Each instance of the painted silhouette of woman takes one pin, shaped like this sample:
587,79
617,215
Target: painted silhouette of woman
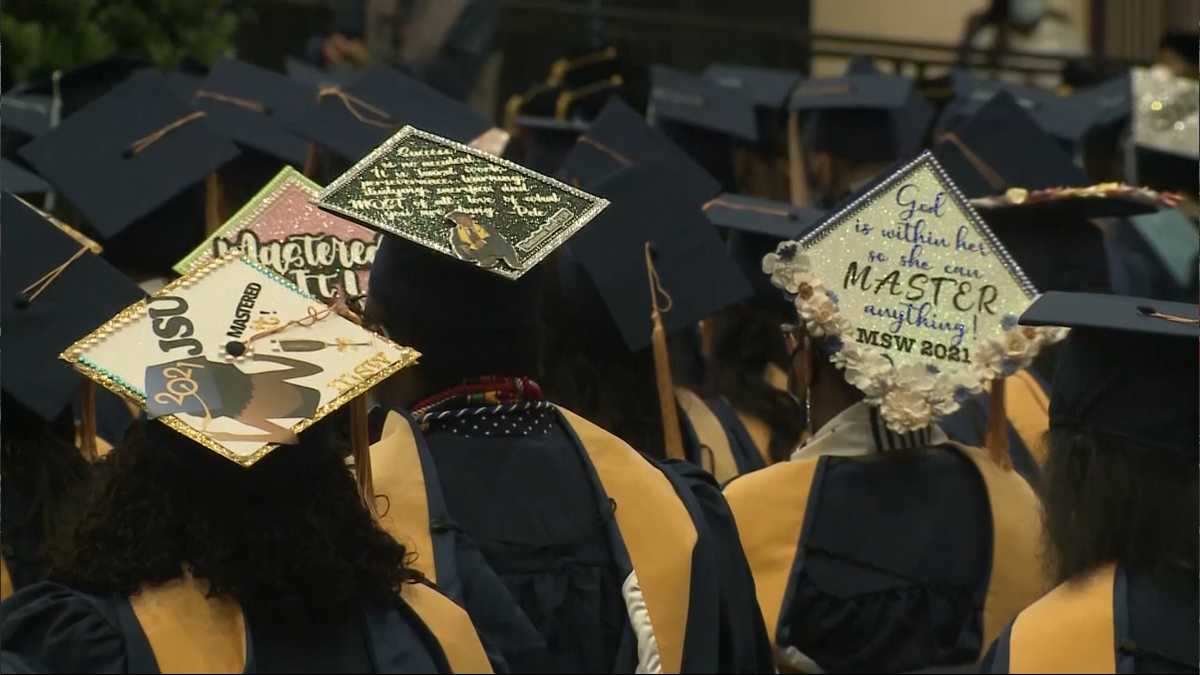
204,388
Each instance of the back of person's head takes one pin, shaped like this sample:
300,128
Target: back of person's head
592,371
1120,482
466,322
288,538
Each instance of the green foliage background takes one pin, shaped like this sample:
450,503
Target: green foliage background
39,36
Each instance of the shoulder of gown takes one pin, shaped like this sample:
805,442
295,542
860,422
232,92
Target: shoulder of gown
49,627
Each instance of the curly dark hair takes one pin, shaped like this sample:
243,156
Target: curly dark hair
1110,501
747,339
288,538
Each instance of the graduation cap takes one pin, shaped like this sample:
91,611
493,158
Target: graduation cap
1001,146
755,227
651,203
58,289
199,354
1128,369
912,296
460,202
544,142
25,116
128,154
694,101
863,117
18,180
253,106
766,87
80,86
1171,237
971,93
619,138
353,119
1166,112
311,75
183,83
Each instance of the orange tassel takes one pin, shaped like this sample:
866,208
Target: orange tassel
708,338
996,437
797,173
311,162
672,437
212,203
87,431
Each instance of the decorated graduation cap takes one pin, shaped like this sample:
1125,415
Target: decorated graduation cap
1128,370
863,116
352,119
1050,235
236,358
619,138
910,294
696,102
1166,112
18,180
755,227
128,154
254,107
460,202
58,288
1002,146
766,87
280,228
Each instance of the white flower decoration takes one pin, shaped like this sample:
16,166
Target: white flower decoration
905,410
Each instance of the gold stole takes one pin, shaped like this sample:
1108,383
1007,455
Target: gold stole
190,632
1029,412
1017,575
1071,630
451,626
6,584
657,530
769,508
710,434
400,492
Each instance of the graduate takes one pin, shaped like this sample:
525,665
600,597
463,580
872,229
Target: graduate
621,563
212,546
1119,492
882,545
59,288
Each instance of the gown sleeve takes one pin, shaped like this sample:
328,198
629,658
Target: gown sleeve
51,628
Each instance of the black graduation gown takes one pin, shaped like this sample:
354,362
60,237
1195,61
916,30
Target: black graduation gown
716,439
48,627
591,538
888,562
1114,621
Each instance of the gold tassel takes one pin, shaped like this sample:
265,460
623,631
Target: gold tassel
708,337
996,436
797,172
212,203
672,437
360,445
311,162
87,440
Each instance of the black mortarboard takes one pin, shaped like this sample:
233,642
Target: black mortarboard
183,84
971,93
766,87
1128,370
620,138
309,74
37,328
755,227
866,118
353,119
542,143
18,180
1000,147
650,203
253,106
693,101
129,153
86,83
27,115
